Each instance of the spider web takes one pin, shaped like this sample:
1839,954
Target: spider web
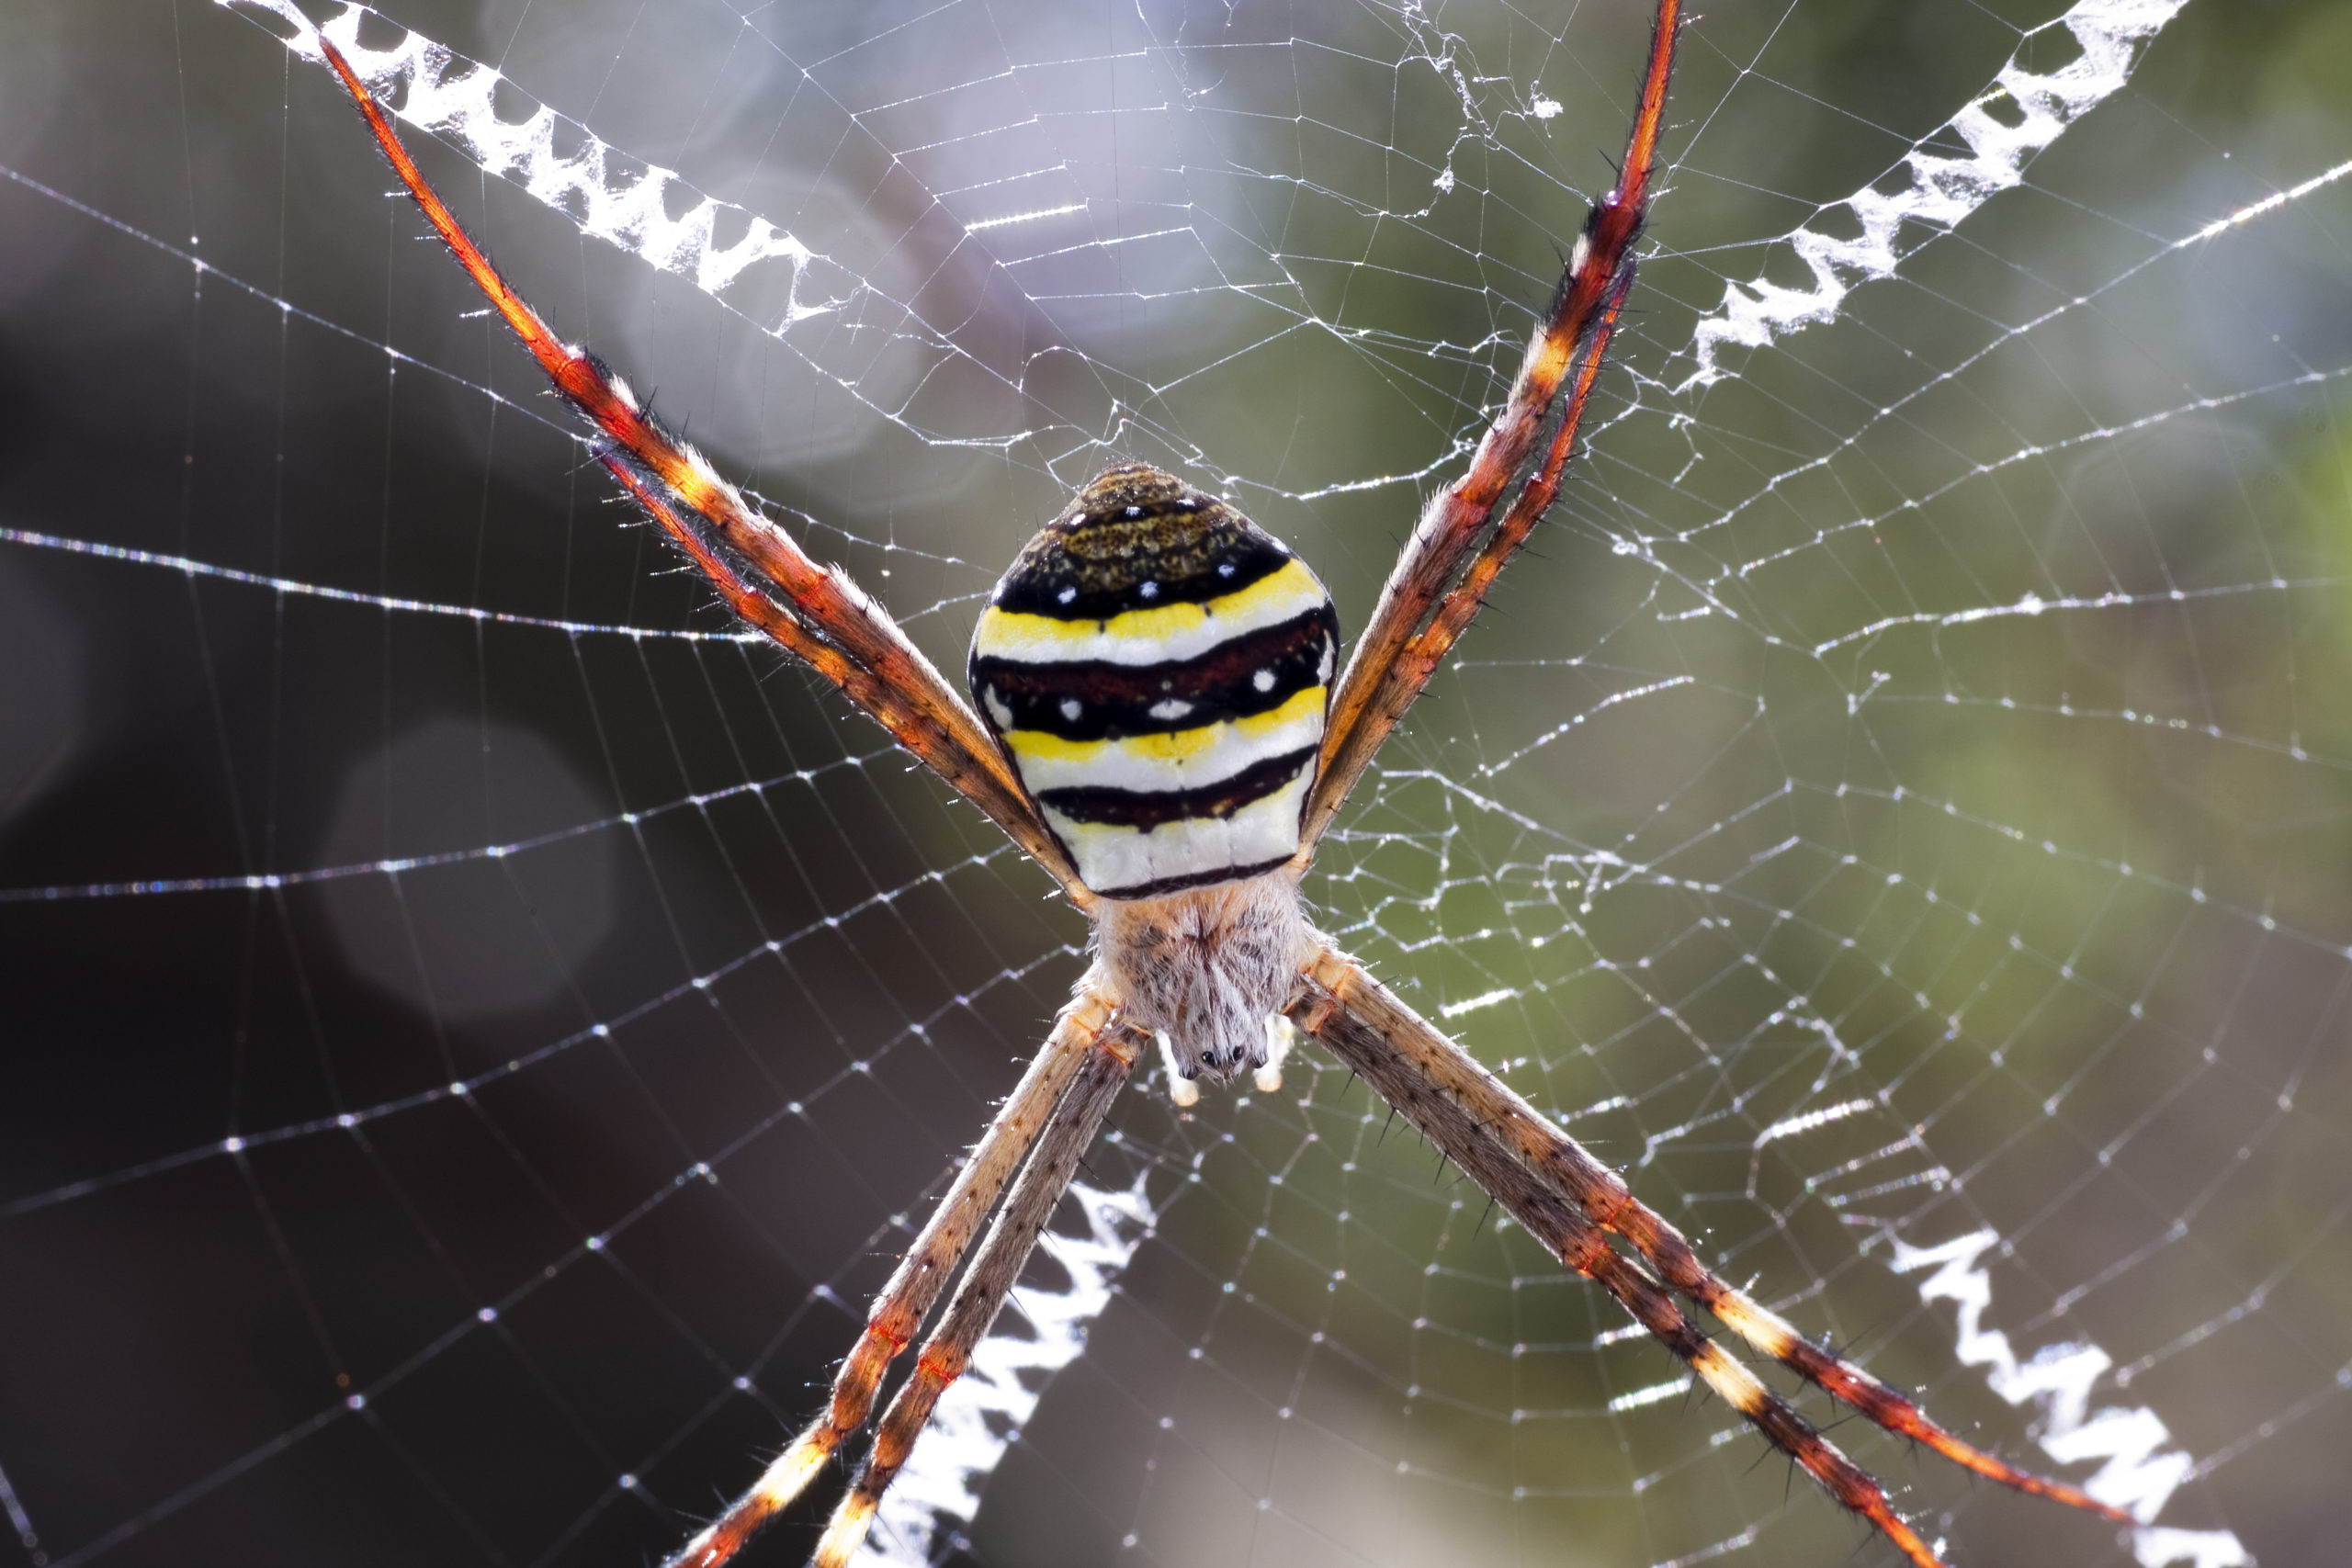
478,1028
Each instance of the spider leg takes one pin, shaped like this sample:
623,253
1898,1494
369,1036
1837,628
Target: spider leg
1604,1200
1357,1035
816,611
1420,1072
1444,574
906,1300
1012,1237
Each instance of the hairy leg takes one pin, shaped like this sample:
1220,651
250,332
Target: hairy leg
899,1310
1010,1241
814,611
1365,1026
1604,1200
1432,594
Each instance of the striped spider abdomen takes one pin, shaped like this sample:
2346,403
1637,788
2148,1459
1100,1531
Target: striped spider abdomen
1155,666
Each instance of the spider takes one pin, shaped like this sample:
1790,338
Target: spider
1158,725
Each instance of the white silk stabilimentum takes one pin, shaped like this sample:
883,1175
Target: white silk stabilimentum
980,1414
2141,1469
1933,190
611,196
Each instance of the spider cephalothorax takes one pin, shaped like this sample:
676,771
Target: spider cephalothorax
1206,970
1157,669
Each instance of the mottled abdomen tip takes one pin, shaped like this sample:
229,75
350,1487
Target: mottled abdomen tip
1156,667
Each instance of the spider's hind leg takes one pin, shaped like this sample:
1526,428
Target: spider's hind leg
1457,550
814,612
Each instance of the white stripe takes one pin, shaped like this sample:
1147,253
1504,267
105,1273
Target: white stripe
1110,859
609,195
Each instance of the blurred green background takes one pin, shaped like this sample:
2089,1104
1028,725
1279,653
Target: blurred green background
1936,722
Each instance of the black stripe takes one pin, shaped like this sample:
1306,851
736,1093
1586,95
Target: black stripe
1168,885
1224,560
1147,809
1115,699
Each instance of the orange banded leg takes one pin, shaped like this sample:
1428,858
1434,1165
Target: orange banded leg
1604,1200
842,633
899,1310
1358,1035
1011,1240
1441,579
1656,1309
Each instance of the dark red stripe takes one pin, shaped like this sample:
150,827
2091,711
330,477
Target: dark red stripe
1115,699
1147,809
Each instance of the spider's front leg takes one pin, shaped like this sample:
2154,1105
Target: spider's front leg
906,1300
1603,1200
1353,1028
1011,1240
1570,1201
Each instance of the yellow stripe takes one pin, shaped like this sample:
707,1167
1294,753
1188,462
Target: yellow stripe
1177,746
1004,634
